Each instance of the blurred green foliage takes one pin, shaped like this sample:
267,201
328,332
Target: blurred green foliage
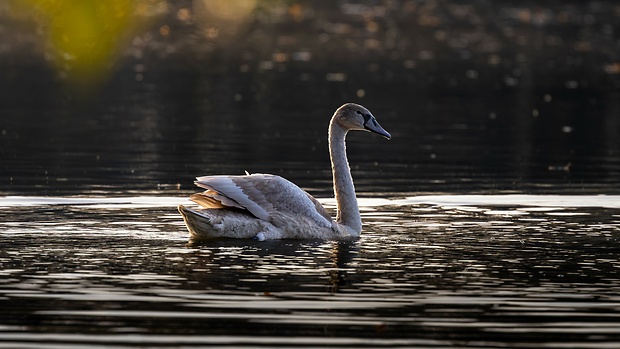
85,37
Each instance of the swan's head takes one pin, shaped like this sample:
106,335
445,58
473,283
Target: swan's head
353,116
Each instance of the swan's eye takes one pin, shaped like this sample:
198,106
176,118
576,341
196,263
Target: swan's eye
367,117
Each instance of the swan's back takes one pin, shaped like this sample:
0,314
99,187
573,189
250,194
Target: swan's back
267,197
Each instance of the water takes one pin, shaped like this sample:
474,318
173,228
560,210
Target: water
491,219
429,271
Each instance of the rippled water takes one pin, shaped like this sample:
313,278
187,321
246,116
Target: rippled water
517,103
429,271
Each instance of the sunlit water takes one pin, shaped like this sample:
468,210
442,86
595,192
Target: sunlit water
428,271
480,97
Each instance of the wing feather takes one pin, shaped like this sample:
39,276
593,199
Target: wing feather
207,201
263,196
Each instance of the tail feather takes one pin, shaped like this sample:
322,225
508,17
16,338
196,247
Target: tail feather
200,226
214,223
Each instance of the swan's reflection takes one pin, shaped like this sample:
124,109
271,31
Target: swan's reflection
271,266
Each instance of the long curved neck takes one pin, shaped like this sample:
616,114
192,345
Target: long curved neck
344,191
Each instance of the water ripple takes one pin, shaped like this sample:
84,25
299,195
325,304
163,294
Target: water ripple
487,271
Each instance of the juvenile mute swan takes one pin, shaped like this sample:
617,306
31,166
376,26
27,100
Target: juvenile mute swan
267,207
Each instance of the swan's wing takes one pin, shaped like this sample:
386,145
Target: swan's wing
319,208
262,195
206,201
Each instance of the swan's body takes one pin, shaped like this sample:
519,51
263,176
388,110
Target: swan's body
270,207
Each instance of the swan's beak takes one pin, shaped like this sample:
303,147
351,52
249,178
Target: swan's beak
373,126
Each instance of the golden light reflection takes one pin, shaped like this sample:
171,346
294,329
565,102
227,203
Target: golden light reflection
221,17
227,9
85,37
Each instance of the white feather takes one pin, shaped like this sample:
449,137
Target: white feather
231,194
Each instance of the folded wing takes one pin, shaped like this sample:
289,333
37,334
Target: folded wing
262,195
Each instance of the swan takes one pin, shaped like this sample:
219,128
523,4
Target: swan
269,207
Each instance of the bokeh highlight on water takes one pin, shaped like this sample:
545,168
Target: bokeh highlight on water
491,217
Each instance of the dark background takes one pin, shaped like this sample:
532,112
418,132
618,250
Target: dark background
480,96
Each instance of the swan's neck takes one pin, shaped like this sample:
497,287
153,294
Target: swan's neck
348,211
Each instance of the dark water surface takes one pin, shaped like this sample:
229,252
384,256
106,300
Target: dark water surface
479,98
429,271
491,219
